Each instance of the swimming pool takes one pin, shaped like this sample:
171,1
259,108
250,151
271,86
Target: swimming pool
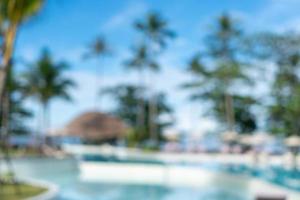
66,175
228,183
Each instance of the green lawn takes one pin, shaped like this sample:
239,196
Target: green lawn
22,191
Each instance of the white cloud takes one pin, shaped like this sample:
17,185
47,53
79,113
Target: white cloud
125,16
290,25
277,15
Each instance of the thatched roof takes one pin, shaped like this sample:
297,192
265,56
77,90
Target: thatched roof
96,126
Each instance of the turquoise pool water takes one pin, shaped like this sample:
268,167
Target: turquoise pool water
65,174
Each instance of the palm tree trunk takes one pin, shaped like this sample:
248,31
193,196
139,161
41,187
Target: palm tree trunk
5,115
48,125
153,118
96,95
5,135
152,114
229,112
152,110
141,112
45,118
98,85
4,124
8,47
44,124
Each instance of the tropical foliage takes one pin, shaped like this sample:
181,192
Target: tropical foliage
155,33
283,50
46,81
12,14
13,112
219,70
127,105
98,49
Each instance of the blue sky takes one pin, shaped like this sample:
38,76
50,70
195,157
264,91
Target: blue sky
67,26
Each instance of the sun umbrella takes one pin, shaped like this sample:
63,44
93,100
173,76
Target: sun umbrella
261,139
245,139
293,141
230,136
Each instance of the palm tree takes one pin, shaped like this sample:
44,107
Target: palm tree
139,61
12,14
98,49
13,112
221,48
45,81
127,98
282,49
155,30
12,115
218,79
155,33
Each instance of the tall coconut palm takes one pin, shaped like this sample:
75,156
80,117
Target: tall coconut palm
221,46
140,61
13,13
13,112
155,30
98,49
46,82
282,49
155,33
219,68
127,98
12,115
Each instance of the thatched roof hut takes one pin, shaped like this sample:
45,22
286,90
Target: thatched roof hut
96,127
